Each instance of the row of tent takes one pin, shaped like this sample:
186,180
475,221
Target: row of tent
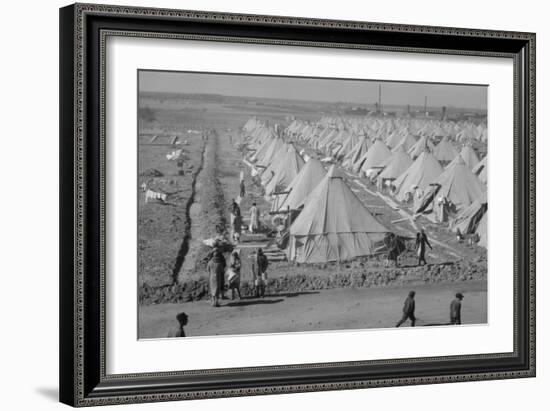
328,228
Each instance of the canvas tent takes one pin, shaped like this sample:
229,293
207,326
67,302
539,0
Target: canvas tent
287,168
356,153
406,142
444,151
334,225
468,220
469,156
304,183
396,164
270,152
459,185
375,156
420,146
480,170
425,170
482,230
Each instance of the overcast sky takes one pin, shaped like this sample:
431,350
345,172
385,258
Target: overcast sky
326,90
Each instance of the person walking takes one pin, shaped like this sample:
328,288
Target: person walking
236,229
408,310
235,220
254,219
421,243
234,211
234,277
456,308
261,273
216,268
242,191
178,331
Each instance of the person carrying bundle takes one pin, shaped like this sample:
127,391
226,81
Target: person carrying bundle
216,268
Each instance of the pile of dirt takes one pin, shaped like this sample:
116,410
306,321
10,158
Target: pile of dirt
356,277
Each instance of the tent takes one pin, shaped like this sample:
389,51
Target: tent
425,170
375,156
304,183
351,141
482,230
334,225
468,220
406,142
356,153
444,151
265,159
287,168
394,139
268,172
480,170
420,146
396,164
459,185
469,156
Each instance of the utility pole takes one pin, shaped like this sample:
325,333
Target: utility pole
426,105
380,98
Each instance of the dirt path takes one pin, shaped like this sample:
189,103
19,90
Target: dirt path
337,309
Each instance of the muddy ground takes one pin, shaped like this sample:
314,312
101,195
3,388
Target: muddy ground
338,309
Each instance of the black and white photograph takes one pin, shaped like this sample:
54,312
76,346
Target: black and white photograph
273,204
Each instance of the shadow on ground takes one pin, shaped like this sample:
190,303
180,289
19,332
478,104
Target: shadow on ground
243,303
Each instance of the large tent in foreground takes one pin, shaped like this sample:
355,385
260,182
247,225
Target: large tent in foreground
334,225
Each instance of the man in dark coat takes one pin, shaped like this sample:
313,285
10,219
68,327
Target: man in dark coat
421,243
456,308
408,310
242,189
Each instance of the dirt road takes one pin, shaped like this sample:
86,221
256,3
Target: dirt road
336,309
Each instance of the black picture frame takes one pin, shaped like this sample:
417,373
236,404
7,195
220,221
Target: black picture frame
83,29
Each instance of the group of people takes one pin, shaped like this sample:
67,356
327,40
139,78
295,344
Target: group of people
236,220
395,247
410,305
218,267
